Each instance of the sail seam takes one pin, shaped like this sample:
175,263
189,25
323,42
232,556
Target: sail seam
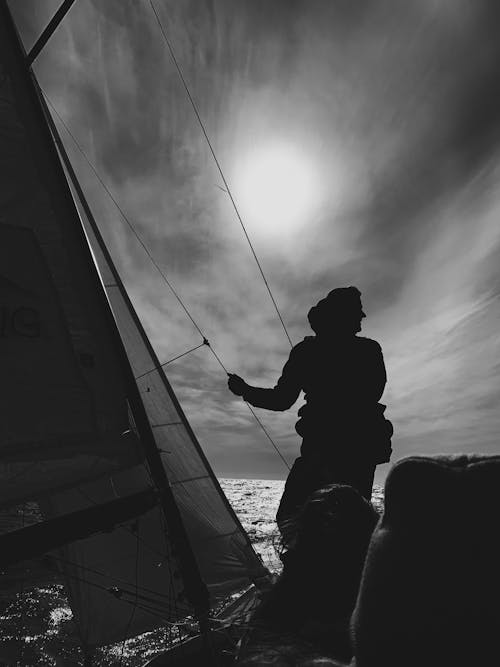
177,423
214,537
189,479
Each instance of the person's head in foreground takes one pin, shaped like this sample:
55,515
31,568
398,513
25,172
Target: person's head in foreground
314,597
430,589
335,521
338,314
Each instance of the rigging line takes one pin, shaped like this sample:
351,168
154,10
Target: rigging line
149,610
165,536
111,578
107,590
268,436
258,421
164,556
123,527
152,610
134,608
228,190
219,360
23,589
173,587
256,417
49,30
153,604
122,213
205,342
173,599
161,612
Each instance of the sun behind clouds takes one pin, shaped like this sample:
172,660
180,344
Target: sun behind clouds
276,189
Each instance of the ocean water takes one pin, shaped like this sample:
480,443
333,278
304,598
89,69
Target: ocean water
256,501
32,622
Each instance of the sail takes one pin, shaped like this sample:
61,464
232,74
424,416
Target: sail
223,552
65,416
70,439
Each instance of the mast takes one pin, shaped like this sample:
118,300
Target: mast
47,161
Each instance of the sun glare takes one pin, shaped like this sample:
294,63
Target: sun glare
276,191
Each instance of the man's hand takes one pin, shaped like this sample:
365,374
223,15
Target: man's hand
236,384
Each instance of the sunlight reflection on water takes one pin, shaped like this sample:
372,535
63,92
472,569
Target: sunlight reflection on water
255,501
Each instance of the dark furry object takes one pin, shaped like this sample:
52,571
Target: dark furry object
431,587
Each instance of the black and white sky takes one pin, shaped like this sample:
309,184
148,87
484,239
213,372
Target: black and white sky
361,141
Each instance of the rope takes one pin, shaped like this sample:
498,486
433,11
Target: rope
49,30
124,527
268,436
226,185
154,607
134,608
179,356
125,218
173,587
117,580
162,274
151,604
111,592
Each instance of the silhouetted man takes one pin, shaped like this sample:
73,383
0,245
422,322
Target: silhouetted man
345,434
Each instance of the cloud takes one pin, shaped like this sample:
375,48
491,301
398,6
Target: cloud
398,106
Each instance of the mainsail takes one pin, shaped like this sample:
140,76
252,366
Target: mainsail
79,432
64,398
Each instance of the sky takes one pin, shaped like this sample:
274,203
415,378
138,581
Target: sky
361,143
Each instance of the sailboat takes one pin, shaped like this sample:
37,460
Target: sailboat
133,518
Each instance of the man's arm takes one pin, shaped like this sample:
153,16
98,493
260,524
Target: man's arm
281,397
